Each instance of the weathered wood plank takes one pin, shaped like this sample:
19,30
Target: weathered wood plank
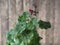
42,16
0,30
12,13
57,23
4,20
50,16
19,7
26,5
0,24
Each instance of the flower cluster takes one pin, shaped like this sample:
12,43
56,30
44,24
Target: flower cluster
32,11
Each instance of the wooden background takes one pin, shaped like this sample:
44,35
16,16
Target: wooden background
49,10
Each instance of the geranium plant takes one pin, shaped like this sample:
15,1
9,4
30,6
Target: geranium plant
25,32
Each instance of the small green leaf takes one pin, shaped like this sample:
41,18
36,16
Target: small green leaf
21,26
44,25
35,22
30,26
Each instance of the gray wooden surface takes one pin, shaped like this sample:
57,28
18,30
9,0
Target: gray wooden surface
49,10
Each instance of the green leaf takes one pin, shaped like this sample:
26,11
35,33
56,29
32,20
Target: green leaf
35,22
24,16
30,26
22,43
44,25
21,26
